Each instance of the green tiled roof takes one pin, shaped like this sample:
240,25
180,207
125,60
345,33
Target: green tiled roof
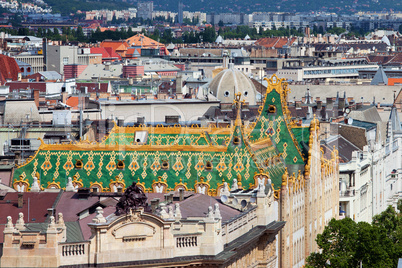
179,154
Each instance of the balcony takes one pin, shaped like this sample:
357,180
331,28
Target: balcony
350,191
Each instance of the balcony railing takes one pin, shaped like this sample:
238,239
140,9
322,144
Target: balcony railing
349,192
73,253
186,241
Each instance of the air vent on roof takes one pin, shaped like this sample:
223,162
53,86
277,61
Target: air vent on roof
3,194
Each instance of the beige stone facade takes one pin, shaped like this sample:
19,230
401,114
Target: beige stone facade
308,203
145,239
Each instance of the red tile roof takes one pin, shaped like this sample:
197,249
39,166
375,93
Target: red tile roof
112,53
41,86
140,40
8,69
107,53
275,42
116,45
37,203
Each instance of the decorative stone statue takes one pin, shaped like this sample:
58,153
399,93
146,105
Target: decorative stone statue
52,222
210,213
217,212
261,189
177,211
225,189
99,218
261,181
234,185
35,185
162,213
171,213
9,222
20,224
60,219
70,186
132,198
269,184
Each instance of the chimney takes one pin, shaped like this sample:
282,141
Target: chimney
50,212
319,105
44,52
36,97
154,204
181,194
170,198
64,96
330,104
341,104
179,84
20,200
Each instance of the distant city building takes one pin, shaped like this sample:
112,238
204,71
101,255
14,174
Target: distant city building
145,9
180,14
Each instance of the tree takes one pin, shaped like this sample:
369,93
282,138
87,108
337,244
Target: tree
130,32
40,32
80,34
209,35
345,243
400,28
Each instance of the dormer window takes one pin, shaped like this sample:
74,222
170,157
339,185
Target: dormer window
272,109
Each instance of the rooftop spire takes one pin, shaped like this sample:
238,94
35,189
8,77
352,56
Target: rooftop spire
238,103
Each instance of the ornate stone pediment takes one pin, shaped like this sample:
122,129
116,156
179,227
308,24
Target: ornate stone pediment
134,231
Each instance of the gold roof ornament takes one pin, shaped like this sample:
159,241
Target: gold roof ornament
285,177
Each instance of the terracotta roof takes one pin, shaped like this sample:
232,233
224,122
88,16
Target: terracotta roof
72,101
107,52
112,53
100,50
116,45
140,40
8,69
275,42
396,59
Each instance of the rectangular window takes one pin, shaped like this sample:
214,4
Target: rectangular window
65,60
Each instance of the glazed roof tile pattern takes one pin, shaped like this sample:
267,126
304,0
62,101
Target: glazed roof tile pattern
178,156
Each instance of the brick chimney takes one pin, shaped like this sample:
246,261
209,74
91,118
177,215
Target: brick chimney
20,200
181,194
154,204
36,97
